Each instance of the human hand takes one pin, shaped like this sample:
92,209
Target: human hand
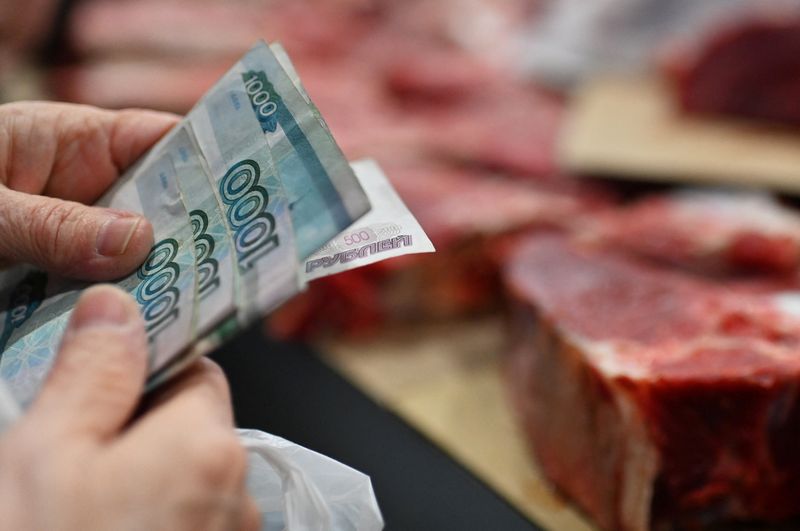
53,158
78,460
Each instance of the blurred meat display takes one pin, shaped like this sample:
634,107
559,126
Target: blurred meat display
714,232
654,398
749,69
654,336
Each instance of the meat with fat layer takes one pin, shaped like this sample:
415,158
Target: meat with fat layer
711,232
653,398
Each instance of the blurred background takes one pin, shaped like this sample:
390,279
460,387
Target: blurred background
665,130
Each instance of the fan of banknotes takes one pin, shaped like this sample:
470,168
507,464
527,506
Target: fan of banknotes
250,198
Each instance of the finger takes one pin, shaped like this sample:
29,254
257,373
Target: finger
198,403
72,151
99,373
250,517
71,239
192,444
203,378
237,511
199,468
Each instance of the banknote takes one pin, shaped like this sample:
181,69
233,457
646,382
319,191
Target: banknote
288,66
387,231
255,205
35,301
166,282
323,192
214,262
164,286
223,147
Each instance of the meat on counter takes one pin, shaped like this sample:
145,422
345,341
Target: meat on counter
654,398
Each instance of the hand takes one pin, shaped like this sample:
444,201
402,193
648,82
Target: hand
78,461
71,153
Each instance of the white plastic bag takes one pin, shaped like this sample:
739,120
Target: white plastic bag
300,490
296,489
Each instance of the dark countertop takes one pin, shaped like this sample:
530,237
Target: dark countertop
286,390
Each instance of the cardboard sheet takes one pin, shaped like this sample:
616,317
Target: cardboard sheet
445,380
629,128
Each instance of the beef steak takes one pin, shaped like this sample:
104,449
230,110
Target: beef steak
653,398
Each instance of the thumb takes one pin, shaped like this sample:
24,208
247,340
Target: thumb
98,376
71,239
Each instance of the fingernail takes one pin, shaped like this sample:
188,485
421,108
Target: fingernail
116,234
103,306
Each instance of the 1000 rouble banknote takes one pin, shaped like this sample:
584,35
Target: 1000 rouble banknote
164,286
250,198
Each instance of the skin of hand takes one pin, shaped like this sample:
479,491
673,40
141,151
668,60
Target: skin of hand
79,461
54,159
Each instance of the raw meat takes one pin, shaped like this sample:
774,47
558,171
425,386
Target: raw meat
507,128
163,28
750,70
386,83
712,232
655,399
157,28
163,85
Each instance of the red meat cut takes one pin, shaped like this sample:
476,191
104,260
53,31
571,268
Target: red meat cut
711,232
653,398
749,70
